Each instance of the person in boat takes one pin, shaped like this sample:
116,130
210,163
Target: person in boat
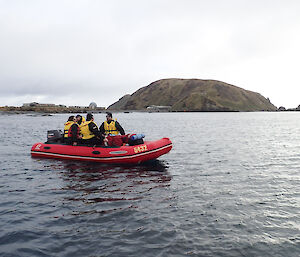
74,136
90,132
80,121
71,131
68,125
111,126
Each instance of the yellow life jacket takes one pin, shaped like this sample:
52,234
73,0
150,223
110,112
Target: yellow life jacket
110,128
81,124
85,131
68,125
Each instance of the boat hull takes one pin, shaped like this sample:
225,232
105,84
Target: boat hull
120,155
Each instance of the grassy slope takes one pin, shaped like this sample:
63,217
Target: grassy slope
197,95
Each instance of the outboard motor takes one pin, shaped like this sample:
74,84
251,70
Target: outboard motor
54,136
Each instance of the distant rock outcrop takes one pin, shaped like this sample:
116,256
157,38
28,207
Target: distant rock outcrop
194,95
281,109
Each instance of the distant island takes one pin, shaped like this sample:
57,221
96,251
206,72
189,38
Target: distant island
193,95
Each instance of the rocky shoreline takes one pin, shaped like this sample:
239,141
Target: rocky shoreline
45,110
48,112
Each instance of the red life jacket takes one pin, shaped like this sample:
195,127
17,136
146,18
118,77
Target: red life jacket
70,135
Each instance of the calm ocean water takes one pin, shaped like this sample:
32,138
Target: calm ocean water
229,187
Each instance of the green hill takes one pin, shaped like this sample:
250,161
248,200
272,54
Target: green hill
194,95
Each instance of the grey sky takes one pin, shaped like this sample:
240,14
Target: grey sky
77,51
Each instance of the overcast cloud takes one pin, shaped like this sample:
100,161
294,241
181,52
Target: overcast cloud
76,51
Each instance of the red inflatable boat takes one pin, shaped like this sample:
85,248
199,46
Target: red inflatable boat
136,154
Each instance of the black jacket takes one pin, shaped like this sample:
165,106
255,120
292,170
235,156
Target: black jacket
94,129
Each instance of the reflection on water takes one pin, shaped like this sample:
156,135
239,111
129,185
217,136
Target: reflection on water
92,183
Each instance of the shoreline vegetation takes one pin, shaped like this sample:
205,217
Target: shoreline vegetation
169,95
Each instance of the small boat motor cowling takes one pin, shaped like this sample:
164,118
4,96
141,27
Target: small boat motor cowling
54,136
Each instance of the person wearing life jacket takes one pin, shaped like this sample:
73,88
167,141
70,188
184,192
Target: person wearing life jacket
90,132
74,136
80,121
111,127
71,131
68,125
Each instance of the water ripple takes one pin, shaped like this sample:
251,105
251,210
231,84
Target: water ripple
229,187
